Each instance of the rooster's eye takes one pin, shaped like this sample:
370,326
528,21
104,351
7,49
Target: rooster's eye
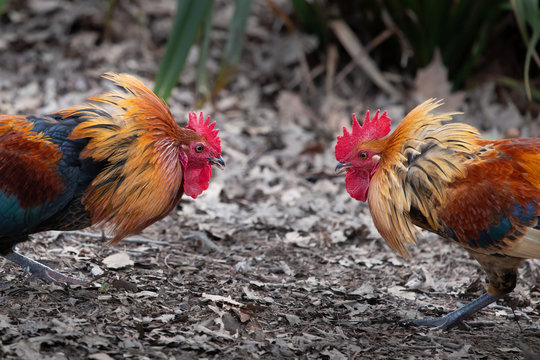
363,156
199,148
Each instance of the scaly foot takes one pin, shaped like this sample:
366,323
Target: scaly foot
40,271
455,317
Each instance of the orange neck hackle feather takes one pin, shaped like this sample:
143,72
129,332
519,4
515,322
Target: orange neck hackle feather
398,185
140,141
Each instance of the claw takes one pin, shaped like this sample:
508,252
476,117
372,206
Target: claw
455,318
26,270
40,271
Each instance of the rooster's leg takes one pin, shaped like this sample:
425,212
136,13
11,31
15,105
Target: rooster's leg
41,271
456,317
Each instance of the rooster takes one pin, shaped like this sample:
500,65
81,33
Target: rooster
121,161
483,195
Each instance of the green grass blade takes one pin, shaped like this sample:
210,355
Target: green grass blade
235,42
182,11
237,29
3,4
189,17
461,53
404,15
519,11
202,74
528,57
527,12
519,86
312,18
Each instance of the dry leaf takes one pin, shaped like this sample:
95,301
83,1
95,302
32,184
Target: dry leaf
432,82
222,299
401,292
118,261
100,356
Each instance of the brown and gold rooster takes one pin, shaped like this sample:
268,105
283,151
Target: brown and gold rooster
482,195
121,161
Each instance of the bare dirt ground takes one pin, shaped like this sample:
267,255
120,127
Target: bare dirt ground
275,260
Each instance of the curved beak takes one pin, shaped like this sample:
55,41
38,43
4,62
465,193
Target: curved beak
219,162
342,168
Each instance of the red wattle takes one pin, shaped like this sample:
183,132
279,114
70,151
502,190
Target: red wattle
357,183
196,180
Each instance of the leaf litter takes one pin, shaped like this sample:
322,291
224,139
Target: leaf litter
275,259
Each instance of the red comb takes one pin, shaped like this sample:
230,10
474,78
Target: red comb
375,128
206,129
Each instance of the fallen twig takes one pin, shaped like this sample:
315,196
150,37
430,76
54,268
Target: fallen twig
132,239
355,49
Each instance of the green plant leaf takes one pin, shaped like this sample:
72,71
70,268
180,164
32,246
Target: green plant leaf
202,74
187,22
237,29
234,45
527,13
460,29
311,16
461,53
530,49
519,86
3,4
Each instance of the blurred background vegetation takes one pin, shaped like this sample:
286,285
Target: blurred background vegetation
477,40
402,35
